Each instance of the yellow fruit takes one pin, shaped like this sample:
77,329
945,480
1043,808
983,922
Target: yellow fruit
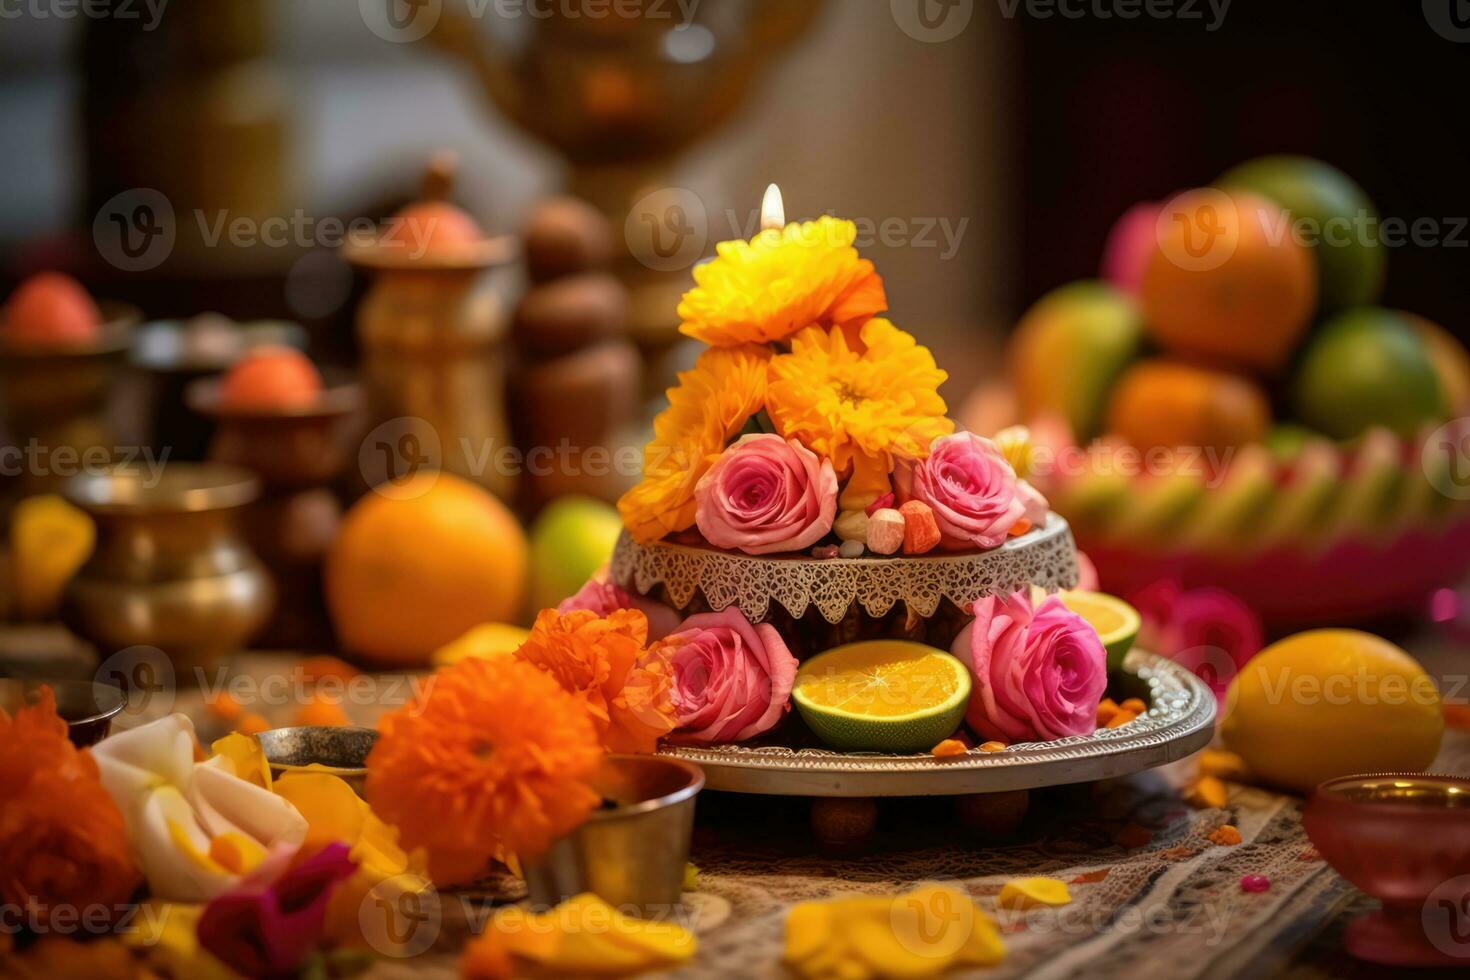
485,642
418,564
50,540
1330,703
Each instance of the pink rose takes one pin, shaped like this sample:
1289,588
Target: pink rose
1209,630
1039,674
603,598
731,680
765,494
972,490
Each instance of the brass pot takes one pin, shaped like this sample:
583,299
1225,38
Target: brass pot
171,569
296,453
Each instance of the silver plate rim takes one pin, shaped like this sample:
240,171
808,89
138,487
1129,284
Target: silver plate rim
1180,722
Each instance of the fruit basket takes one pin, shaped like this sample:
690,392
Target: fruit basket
1229,408
1327,535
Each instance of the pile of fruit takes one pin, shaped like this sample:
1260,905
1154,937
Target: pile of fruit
1230,390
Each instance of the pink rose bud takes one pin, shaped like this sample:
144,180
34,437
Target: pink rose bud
731,680
1039,675
766,494
603,598
972,490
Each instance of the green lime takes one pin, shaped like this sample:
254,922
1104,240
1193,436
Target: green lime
1364,368
882,696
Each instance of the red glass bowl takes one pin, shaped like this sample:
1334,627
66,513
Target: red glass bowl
1405,840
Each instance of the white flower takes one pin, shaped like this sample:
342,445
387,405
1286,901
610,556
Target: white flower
196,828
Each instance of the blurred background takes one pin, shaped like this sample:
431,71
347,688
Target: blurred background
1036,132
215,174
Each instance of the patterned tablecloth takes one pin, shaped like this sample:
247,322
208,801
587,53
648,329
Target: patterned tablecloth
1170,907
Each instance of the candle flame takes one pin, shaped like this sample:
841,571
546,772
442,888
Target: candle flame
773,210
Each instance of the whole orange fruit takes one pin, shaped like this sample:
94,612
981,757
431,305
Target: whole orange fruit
1228,281
271,378
1164,404
418,563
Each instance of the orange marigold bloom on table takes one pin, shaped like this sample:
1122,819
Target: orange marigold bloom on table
767,289
711,403
63,841
864,406
493,759
602,662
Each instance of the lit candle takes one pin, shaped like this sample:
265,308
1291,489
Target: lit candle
773,210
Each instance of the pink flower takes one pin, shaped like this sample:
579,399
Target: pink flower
271,921
1209,630
766,494
972,490
603,598
731,680
1039,674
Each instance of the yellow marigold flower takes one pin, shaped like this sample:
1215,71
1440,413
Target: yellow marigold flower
780,282
709,406
862,406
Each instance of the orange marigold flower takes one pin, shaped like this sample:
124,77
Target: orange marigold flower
765,290
709,406
863,405
62,839
492,759
603,662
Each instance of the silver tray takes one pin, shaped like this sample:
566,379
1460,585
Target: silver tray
1180,722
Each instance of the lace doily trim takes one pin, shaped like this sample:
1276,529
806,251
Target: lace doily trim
1045,556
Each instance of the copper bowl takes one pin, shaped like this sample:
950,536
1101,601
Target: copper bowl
1403,838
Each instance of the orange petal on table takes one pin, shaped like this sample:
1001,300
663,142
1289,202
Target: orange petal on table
1207,792
1091,877
1106,709
223,705
1120,719
252,724
1225,835
949,748
327,666
321,713
1134,705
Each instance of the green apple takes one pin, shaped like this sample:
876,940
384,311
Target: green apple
571,539
1330,212
1069,349
1364,368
